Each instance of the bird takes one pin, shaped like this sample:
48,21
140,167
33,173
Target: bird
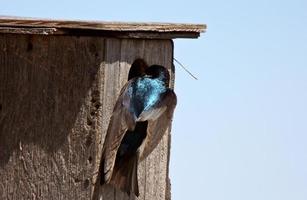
141,115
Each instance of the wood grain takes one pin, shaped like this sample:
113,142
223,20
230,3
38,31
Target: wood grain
101,28
48,119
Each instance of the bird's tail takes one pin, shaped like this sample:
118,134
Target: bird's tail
124,175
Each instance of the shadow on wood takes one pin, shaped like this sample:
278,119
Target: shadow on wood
48,99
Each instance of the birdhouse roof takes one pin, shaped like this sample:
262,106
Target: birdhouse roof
17,25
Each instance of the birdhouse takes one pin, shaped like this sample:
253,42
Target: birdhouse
59,81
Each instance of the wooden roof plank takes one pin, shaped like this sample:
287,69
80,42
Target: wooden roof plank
154,30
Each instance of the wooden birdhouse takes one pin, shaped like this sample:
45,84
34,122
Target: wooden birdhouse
59,81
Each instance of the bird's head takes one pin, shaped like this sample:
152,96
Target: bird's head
159,72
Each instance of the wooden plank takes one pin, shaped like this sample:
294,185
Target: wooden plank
120,54
112,88
48,124
118,58
34,31
101,28
101,25
99,33
156,169
130,51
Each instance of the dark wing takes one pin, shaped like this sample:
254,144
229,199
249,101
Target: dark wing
121,120
158,121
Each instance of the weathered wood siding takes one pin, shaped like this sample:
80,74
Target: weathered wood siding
56,97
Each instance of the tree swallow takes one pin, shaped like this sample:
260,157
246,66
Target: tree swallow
141,115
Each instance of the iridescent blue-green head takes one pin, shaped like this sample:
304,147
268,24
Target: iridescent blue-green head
159,72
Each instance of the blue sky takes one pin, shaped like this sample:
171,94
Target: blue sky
240,131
